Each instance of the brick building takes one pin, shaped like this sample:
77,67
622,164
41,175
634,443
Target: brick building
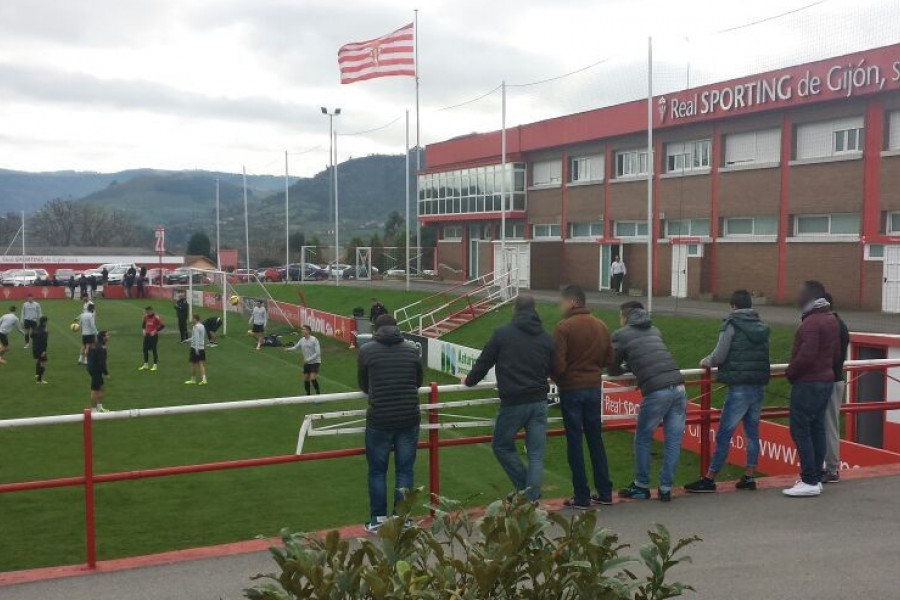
759,182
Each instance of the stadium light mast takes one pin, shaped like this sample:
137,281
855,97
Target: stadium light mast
332,161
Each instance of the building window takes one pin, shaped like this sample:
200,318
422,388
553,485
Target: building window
688,156
894,131
471,190
745,226
546,172
833,224
695,250
874,252
893,222
830,138
689,227
545,230
515,230
631,163
586,230
753,147
586,168
451,233
631,229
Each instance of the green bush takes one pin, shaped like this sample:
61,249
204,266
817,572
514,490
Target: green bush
515,550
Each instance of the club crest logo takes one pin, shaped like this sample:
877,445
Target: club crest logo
661,107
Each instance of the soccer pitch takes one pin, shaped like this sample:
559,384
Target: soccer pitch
45,527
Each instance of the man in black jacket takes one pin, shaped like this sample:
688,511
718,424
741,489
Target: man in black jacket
376,310
522,353
832,472
390,372
638,347
96,368
181,311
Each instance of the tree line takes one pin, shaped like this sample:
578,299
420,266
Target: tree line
62,222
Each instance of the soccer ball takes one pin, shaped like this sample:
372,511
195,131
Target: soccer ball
234,300
74,326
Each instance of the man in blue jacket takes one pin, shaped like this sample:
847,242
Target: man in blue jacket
522,353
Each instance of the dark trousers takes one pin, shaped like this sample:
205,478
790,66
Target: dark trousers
379,444
150,342
581,410
807,422
182,328
616,283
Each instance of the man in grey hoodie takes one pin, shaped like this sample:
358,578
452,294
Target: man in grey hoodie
742,357
638,347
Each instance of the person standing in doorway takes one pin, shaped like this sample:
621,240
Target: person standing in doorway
522,354
39,341
815,352
390,371
581,350
151,325
742,358
258,319
181,312
639,348
833,413
197,355
31,313
309,346
617,272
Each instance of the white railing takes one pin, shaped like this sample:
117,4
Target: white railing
493,293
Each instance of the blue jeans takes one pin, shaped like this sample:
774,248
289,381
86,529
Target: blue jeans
379,444
666,406
742,404
581,411
809,400
531,417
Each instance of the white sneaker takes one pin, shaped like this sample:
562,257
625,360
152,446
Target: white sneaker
373,526
803,490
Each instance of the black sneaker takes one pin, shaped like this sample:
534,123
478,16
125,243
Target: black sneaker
664,496
746,483
704,485
635,492
601,500
831,477
573,503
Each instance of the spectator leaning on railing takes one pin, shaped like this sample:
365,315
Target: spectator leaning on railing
832,472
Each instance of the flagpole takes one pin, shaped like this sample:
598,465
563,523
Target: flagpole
218,236
418,146
502,178
246,225
408,265
287,226
650,161
337,277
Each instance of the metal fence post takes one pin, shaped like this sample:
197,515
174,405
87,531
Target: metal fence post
89,524
705,405
434,467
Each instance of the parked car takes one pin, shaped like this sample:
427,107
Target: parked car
270,274
61,276
242,276
304,272
20,277
154,276
183,276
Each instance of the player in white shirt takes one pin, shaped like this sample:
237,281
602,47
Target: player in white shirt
87,322
258,319
31,314
8,322
312,359
197,356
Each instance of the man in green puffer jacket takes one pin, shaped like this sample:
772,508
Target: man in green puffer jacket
742,357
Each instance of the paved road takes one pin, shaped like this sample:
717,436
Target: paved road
870,322
756,545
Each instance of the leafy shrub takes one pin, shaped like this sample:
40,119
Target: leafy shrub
515,550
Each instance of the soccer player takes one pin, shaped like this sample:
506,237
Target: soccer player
197,356
87,321
39,339
152,325
258,320
31,312
312,359
96,368
212,325
181,311
8,322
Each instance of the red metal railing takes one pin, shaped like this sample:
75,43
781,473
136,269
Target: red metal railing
704,417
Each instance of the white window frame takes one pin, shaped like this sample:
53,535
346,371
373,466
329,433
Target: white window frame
874,258
595,230
819,234
888,226
637,227
634,164
894,131
761,140
549,231
841,141
753,227
691,224
685,157
592,164
554,172
695,250
818,141
515,230
453,237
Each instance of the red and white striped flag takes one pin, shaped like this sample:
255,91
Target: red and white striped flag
390,55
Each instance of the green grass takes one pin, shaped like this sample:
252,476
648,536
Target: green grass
137,517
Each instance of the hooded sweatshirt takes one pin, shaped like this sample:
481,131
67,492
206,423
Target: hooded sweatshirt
816,347
522,353
390,372
639,348
742,353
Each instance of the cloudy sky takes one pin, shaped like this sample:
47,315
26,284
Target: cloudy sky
104,85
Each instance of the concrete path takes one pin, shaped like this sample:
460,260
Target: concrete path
756,545
869,322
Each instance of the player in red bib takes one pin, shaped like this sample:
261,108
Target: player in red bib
151,325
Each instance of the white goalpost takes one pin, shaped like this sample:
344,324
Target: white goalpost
218,280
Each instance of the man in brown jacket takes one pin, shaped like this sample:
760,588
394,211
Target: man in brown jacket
582,348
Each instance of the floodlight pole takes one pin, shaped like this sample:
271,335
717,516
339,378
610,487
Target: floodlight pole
650,165
23,240
332,160
287,226
218,233
246,222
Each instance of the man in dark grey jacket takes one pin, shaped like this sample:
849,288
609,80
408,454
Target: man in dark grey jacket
639,348
390,372
522,353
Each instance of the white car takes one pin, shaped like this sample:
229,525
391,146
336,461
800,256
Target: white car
20,277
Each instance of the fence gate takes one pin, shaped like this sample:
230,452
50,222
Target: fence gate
308,254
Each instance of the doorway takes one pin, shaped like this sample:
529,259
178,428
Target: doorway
607,253
890,287
680,270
